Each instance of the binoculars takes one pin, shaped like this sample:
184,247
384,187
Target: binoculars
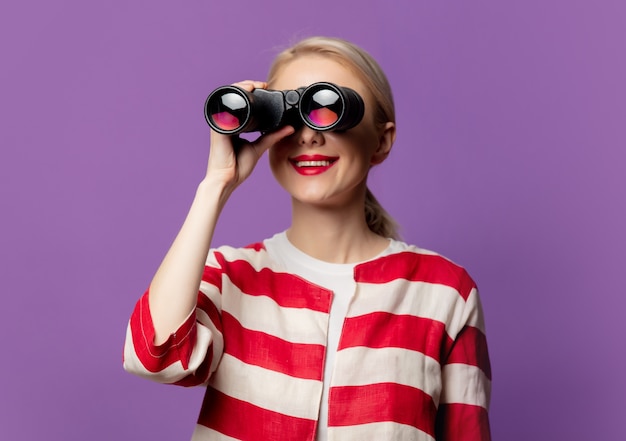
321,106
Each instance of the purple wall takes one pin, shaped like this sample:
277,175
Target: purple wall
510,160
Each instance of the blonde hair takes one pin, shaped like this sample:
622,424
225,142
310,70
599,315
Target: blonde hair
363,65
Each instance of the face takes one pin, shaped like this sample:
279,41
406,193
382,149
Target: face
327,168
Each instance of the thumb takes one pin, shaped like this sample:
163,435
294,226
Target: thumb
266,141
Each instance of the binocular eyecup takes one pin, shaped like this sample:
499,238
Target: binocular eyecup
321,106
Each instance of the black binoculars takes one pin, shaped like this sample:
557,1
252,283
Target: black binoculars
321,106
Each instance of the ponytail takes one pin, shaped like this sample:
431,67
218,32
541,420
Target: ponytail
377,218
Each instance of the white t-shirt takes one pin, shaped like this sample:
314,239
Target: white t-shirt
337,277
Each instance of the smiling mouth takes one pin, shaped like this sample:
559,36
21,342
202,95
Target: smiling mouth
312,165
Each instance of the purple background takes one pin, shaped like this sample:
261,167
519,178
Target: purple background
509,160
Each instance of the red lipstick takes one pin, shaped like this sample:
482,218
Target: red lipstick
308,165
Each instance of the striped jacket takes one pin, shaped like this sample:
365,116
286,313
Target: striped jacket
412,360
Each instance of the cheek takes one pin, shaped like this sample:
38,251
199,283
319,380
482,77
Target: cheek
365,144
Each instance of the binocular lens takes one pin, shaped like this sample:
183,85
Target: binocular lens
323,109
228,111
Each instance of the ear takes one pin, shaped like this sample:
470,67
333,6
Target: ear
385,142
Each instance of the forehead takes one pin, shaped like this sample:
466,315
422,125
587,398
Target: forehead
308,69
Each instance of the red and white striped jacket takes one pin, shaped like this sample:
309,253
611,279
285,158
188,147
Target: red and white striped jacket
412,361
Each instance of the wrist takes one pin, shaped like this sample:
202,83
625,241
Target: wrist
211,188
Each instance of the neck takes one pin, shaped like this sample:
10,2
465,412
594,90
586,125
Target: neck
337,234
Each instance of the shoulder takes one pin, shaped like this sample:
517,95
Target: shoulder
410,262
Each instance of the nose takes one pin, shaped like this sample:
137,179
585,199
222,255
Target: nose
307,136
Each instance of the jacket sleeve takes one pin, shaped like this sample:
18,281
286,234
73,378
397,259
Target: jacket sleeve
462,414
191,354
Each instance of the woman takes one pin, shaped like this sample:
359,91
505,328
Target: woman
333,329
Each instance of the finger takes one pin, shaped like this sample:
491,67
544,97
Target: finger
268,140
250,85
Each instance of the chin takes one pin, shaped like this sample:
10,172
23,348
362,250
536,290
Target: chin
322,200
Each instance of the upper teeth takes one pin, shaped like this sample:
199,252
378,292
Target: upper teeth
313,163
